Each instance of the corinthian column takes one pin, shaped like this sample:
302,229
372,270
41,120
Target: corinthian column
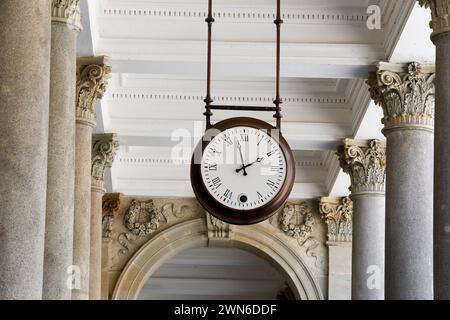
365,162
92,75
24,99
338,213
406,93
440,13
104,147
61,146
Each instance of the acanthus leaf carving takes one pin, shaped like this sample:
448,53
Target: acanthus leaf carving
68,12
104,147
92,79
338,215
440,15
406,94
110,207
365,162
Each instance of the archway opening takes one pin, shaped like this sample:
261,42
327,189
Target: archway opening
214,273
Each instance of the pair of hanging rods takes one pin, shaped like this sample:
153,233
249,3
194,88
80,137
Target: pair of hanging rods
208,100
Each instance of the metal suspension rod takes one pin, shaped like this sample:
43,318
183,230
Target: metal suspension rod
278,21
208,100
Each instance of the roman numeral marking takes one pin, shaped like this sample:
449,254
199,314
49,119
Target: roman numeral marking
229,141
228,194
213,167
260,196
270,183
216,182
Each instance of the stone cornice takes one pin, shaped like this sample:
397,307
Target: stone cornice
104,147
406,94
68,12
338,215
92,79
110,205
365,162
440,15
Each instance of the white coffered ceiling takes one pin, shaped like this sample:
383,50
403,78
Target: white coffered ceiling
158,53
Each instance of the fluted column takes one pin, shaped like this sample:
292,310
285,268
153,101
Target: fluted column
61,150
406,93
365,162
104,147
440,12
24,104
111,206
338,214
92,75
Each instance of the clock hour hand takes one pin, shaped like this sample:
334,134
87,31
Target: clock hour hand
242,161
248,165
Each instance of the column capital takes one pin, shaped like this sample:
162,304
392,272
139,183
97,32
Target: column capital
68,12
92,78
338,215
440,15
110,207
104,147
405,91
365,162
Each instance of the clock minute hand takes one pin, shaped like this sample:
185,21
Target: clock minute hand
242,161
250,164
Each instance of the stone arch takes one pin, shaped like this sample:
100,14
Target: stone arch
192,234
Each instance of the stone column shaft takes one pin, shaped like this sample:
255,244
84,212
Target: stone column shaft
61,155
92,75
365,162
440,12
406,93
24,103
104,147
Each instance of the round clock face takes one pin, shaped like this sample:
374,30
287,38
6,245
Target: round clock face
243,168
245,173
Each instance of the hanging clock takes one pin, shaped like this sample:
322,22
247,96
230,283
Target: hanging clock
243,172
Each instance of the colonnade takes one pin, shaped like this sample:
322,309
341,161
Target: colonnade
52,167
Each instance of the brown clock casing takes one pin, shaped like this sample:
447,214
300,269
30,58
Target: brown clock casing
236,216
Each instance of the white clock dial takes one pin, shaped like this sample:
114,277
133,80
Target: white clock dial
243,168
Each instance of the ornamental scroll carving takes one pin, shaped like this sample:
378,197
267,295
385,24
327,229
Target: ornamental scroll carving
296,220
406,94
338,215
104,147
440,15
365,162
68,12
110,208
92,79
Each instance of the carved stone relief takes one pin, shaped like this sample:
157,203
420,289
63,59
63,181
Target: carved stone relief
406,94
365,162
296,220
338,215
